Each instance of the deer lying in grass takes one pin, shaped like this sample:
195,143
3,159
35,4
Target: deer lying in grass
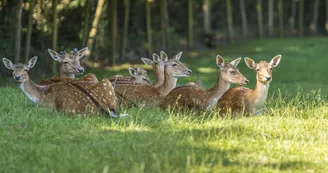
247,101
69,65
150,95
138,75
158,64
72,97
197,98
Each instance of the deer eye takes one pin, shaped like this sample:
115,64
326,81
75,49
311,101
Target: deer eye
258,69
65,62
232,72
26,70
144,79
174,65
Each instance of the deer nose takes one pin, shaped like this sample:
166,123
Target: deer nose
17,77
246,81
189,71
268,78
80,70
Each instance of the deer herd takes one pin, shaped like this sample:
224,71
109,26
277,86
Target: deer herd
89,97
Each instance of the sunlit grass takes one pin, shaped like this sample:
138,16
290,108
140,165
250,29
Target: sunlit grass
291,135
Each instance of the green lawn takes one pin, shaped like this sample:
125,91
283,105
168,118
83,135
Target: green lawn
291,137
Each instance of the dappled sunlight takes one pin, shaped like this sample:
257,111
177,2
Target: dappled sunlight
207,70
126,66
259,49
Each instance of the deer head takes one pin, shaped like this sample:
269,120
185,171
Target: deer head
175,68
70,62
139,75
229,71
263,69
20,71
158,64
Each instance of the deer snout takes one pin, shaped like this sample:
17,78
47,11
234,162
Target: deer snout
189,71
268,78
18,77
80,70
246,81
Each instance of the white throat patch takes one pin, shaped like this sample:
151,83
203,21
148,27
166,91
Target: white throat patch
32,98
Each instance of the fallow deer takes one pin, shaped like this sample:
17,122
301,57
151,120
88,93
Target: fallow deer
150,95
247,101
197,98
158,64
138,75
69,65
72,97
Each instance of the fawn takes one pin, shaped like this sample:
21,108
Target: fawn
196,97
150,95
138,75
69,65
72,97
247,101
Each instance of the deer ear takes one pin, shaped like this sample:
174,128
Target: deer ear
156,58
275,61
32,62
54,55
250,63
132,72
82,52
235,62
147,61
220,61
7,63
164,56
177,56
139,71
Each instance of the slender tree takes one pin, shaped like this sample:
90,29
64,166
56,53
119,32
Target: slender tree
270,17
314,23
300,17
149,30
229,20
114,31
292,16
164,23
259,18
243,18
281,18
86,23
207,16
54,31
93,31
190,24
18,17
125,27
29,30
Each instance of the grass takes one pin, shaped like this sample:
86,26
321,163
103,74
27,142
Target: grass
291,137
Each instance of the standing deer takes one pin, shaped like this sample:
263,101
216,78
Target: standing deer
138,75
69,65
150,95
247,101
72,97
197,98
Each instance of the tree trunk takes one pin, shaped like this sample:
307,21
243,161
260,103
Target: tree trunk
207,16
326,24
125,27
93,31
149,32
243,18
18,18
229,20
300,17
281,18
190,24
259,18
292,16
29,30
164,23
270,17
54,32
314,23
86,23
114,31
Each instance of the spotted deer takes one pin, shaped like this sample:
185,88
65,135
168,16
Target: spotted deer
247,101
72,97
69,65
136,94
197,98
138,75
158,64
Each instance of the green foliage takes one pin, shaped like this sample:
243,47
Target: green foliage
289,137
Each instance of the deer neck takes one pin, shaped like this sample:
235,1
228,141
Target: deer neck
159,77
220,87
259,94
169,83
62,74
32,91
